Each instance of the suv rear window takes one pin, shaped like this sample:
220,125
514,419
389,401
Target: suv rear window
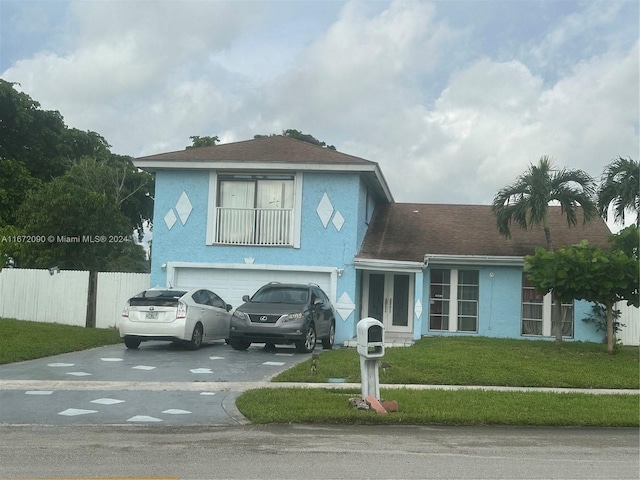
161,298
281,295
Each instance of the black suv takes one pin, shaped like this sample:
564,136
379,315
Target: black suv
284,313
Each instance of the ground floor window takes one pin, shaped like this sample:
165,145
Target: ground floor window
537,313
453,300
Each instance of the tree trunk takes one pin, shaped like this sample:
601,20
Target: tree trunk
611,336
556,320
547,235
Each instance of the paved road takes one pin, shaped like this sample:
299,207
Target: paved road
313,452
159,383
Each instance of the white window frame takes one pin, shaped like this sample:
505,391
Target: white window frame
547,304
453,303
213,199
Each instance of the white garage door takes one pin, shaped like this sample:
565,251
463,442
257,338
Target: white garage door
232,283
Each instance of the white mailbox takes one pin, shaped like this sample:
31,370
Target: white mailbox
370,336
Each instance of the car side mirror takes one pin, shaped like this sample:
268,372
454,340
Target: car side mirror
317,301
245,298
229,307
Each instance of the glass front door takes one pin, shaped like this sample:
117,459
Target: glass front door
388,299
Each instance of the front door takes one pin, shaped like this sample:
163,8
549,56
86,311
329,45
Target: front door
388,298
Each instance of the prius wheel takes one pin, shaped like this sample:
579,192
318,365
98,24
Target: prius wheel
131,343
196,338
309,343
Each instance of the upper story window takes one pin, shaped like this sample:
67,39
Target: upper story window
255,210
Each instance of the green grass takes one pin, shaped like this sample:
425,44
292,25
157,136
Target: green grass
21,340
485,361
464,407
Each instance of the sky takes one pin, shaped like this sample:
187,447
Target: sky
453,99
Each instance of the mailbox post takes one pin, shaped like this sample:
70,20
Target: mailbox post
370,336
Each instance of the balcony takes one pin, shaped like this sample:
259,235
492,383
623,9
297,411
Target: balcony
254,226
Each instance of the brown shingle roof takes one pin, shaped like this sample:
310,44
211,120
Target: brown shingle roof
275,149
409,231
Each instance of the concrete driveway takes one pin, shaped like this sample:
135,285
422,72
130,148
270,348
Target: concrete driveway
160,383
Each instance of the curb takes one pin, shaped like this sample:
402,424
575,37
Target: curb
244,386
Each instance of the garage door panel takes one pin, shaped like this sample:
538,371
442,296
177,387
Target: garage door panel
232,283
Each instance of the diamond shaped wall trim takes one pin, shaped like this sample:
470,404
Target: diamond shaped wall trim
345,306
338,221
418,309
325,210
170,219
184,207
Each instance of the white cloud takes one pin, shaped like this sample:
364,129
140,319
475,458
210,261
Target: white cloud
496,118
390,82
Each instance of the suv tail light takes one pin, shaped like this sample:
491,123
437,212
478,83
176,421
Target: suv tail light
125,310
182,310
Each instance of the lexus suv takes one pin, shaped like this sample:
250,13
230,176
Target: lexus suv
284,313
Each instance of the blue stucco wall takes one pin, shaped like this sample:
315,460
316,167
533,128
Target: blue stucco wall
319,246
500,307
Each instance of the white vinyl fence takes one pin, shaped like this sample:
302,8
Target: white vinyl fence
63,297
630,317
113,290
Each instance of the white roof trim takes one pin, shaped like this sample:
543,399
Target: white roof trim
437,259
387,265
383,183
242,166
372,167
251,266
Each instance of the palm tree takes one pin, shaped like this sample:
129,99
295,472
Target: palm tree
526,202
620,186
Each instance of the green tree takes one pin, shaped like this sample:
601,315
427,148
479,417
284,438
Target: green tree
63,182
298,135
587,272
620,188
84,230
29,134
526,202
10,247
15,182
128,188
198,142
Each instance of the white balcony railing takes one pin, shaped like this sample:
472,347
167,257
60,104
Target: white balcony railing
254,226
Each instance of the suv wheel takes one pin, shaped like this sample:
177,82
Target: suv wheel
239,344
309,343
327,342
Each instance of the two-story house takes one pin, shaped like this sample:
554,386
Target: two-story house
233,217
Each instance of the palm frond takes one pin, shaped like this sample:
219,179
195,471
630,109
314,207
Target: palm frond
620,189
526,202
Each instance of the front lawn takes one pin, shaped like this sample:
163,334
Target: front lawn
463,361
21,340
441,407
485,361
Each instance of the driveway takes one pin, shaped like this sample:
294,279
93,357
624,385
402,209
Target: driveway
160,383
